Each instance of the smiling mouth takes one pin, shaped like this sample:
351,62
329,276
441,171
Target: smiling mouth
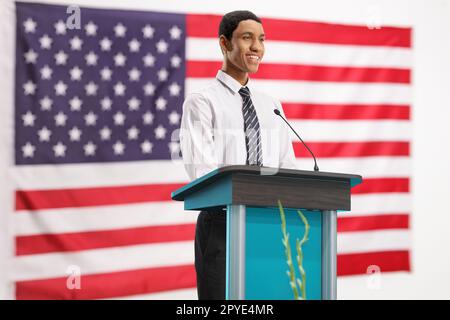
253,57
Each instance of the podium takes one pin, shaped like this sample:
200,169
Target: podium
255,261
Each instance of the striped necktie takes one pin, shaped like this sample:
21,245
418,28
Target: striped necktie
251,128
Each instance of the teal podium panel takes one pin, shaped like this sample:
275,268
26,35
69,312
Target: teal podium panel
265,258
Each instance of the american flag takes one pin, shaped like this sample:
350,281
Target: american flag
97,111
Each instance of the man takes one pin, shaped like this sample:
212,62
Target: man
230,123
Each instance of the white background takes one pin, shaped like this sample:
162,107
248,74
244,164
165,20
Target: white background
430,20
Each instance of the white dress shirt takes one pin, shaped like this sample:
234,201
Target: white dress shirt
212,128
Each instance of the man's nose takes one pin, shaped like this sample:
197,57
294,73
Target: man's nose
257,46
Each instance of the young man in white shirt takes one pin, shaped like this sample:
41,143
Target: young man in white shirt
230,123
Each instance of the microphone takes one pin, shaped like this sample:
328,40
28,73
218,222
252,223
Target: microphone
278,113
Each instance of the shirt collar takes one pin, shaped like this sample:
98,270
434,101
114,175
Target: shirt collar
232,83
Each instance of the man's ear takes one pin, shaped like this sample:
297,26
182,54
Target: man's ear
224,44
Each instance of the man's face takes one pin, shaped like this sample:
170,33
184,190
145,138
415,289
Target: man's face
247,46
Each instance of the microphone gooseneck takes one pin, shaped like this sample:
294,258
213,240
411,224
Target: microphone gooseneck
278,113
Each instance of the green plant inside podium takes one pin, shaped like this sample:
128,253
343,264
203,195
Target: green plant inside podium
297,285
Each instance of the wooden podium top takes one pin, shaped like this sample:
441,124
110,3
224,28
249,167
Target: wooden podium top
263,186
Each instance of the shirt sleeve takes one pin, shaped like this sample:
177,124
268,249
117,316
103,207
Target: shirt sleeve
197,136
287,156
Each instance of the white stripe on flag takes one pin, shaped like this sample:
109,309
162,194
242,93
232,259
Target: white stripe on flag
368,167
379,203
98,174
182,294
53,265
102,218
344,130
322,92
373,241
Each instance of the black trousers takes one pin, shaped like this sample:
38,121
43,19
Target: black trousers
210,254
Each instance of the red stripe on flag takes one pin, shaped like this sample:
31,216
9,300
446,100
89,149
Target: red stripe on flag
44,243
85,197
208,69
376,222
352,149
382,185
359,263
345,112
109,285
207,26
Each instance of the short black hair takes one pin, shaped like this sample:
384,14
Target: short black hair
231,20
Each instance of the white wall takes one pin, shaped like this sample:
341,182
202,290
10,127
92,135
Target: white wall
431,122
